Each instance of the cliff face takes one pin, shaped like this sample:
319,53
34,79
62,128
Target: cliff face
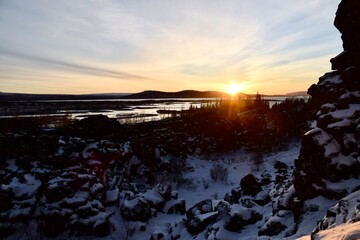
330,149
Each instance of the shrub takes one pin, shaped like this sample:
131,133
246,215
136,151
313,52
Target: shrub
219,173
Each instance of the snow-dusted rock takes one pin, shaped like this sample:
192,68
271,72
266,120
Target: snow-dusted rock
200,216
175,206
96,224
283,220
330,149
157,236
57,189
137,209
233,196
6,198
240,216
112,197
154,198
262,197
347,210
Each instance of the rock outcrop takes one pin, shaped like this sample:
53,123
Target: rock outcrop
347,210
330,149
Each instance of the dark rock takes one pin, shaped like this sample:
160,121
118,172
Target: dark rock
345,60
137,209
97,225
57,191
176,206
240,218
6,230
248,203
21,214
280,165
345,211
263,197
250,185
53,223
347,20
164,191
6,199
312,208
223,208
272,229
200,216
154,199
233,196
280,179
157,236
96,126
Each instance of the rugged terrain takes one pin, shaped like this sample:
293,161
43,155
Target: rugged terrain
206,175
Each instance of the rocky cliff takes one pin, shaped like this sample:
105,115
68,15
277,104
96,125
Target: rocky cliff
330,149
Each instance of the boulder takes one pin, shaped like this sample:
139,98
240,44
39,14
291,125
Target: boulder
6,198
345,211
240,217
97,224
272,229
6,229
175,206
155,199
263,197
347,21
157,236
137,209
277,224
250,185
200,216
56,191
280,166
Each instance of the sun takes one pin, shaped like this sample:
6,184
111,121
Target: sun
234,88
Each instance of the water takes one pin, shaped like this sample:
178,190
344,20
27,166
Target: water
140,110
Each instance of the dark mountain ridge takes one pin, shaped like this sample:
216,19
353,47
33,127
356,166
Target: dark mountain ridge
181,94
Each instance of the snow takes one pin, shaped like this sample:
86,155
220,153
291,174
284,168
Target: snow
203,217
347,231
112,195
96,220
96,187
131,203
237,209
346,113
343,123
341,159
23,189
12,165
153,196
79,198
332,80
197,187
200,187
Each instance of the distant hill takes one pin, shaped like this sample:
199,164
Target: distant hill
301,93
182,94
142,95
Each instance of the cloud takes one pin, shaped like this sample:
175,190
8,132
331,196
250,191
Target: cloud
78,68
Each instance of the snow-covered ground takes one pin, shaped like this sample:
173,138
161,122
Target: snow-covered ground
200,187
196,185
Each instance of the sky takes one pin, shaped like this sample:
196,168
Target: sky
126,46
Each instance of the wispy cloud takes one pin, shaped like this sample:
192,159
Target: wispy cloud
68,66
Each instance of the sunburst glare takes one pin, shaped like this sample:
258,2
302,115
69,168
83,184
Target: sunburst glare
234,88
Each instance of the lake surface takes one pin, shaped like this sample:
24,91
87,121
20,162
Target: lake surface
138,110
148,111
